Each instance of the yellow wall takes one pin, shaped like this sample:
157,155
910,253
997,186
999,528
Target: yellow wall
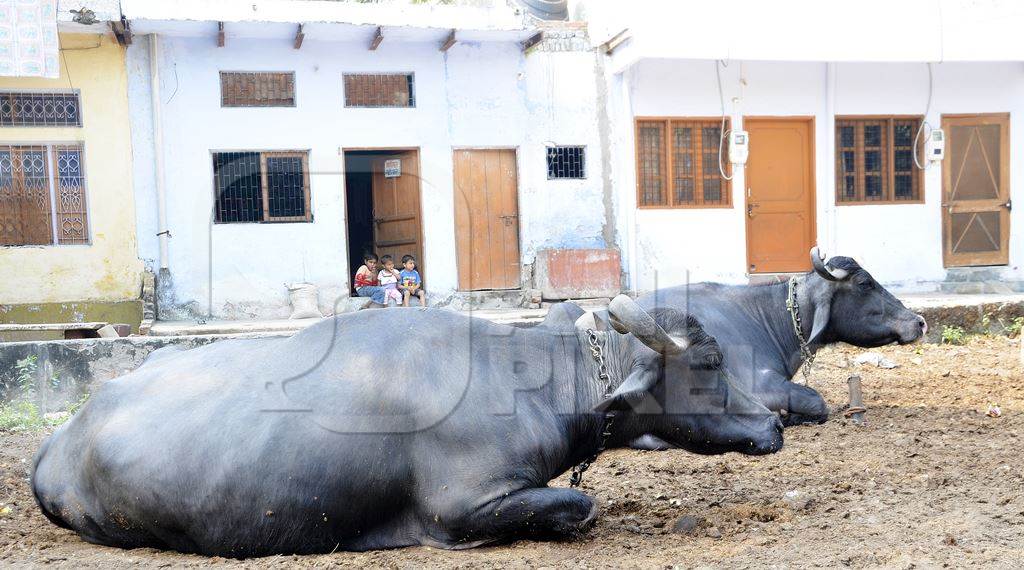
109,268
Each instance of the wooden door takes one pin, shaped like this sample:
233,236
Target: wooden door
780,194
396,209
976,190
487,219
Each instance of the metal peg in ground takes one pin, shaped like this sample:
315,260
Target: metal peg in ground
856,410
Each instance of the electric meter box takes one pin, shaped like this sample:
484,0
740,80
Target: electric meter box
935,148
739,147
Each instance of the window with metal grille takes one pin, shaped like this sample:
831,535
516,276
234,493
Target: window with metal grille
677,164
254,186
379,90
875,160
566,162
257,89
27,109
42,195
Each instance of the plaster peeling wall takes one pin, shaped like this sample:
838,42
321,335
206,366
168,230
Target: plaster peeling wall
475,95
900,244
107,269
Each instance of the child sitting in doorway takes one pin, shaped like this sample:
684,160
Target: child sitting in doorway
388,279
410,282
366,279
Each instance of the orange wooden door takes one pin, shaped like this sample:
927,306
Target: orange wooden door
780,194
396,209
976,190
487,219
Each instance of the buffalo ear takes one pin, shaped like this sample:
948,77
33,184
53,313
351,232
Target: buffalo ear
821,317
634,392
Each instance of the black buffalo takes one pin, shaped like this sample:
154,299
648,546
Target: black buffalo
335,439
837,302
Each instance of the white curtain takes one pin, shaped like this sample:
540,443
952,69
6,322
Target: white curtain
28,38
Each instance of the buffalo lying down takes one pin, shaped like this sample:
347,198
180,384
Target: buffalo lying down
325,441
837,302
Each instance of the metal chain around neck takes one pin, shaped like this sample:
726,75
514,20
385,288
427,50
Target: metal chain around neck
793,307
597,351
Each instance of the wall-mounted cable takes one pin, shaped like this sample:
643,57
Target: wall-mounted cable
924,123
722,132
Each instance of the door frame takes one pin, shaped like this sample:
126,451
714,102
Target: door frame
812,177
1004,174
519,215
419,198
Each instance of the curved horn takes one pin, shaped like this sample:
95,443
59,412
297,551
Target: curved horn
628,317
821,268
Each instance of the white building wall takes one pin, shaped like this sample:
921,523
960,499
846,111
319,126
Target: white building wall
900,244
475,95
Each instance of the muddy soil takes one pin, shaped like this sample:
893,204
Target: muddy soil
931,480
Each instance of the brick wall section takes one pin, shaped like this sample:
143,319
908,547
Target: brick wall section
578,273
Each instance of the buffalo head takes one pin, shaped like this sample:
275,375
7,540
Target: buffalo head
850,306
676,389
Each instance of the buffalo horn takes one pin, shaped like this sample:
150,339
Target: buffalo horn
628,317
821,268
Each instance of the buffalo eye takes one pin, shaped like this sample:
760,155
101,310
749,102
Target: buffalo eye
865,285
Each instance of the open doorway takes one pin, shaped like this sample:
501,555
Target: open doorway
382,192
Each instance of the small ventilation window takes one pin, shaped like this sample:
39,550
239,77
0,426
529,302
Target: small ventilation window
245,89
566,162
26,109
379,90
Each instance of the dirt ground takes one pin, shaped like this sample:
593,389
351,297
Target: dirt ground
930,481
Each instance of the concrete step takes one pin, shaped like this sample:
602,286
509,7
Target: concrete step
995,287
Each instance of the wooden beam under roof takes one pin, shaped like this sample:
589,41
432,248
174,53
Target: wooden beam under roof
449,42
300,35
220,34
122,31
377,38
532,41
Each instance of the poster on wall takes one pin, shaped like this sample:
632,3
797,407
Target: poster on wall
28,38
392,168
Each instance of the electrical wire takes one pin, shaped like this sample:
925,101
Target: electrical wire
924,122
722,132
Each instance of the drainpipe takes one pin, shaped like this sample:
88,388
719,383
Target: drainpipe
158,148
830,151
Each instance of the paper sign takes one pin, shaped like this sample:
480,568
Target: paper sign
392,168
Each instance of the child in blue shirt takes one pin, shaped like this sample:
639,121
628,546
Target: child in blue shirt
409,281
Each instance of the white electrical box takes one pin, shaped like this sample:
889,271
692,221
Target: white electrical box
739,147
935,148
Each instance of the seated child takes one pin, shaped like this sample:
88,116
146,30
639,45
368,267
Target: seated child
388,279
366,280
410,282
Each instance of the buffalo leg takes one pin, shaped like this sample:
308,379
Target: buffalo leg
806,406
802,404
531,513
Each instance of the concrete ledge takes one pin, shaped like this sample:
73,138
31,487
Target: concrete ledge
973,313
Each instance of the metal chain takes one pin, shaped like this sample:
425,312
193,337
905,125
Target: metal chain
806,356
597,351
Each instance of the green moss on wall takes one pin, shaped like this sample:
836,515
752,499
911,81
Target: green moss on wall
129,312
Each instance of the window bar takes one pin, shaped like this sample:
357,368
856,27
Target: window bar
51,162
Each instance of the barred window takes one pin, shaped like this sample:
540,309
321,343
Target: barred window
27,109
875,160
379,90
42,195
677,164
566,162
257,89
254,186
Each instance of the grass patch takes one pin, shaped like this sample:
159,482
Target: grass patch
23,413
